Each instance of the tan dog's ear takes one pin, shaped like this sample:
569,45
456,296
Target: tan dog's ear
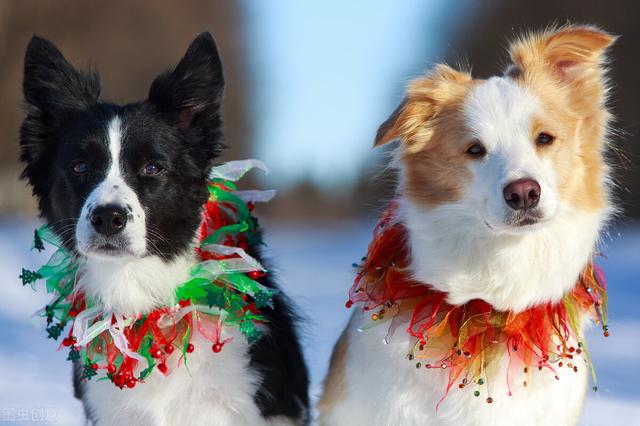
570,51
412,120
390,129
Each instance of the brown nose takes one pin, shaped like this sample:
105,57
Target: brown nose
522,194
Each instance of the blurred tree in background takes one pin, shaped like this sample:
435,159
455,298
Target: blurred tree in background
129,43
494,22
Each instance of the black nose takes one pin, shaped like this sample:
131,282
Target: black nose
522,194
108,219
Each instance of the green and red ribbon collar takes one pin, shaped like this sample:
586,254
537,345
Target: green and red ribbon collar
223,291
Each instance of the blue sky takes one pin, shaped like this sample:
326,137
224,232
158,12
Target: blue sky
328,73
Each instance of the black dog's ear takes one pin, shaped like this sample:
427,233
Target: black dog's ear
51,83
52,88
190,94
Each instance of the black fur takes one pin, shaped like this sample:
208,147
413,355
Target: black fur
278,356
178,127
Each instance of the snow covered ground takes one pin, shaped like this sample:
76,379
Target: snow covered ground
313,262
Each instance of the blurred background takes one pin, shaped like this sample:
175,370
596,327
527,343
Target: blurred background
307,85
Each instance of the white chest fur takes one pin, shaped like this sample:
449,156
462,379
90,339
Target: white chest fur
511,272
384,388
212,389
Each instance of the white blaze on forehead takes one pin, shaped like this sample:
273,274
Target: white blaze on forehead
500,112
114,190
114,137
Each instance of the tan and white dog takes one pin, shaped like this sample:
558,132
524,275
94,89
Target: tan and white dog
504,191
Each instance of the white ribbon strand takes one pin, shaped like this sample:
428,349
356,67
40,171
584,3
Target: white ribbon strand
255,195
234,170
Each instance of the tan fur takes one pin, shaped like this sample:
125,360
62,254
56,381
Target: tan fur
430,124
413,120
335,386
564,68
437,172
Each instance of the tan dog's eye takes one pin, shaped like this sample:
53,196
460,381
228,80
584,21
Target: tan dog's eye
544,139
476,150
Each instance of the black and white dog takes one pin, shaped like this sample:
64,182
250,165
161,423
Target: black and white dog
123,187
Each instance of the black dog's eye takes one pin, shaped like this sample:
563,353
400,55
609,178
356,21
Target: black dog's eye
476,150
79,167
544,139
151,169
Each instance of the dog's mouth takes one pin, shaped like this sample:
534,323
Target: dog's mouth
520,221
525,219
108,249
